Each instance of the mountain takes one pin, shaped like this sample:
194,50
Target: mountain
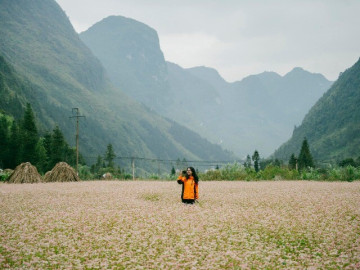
258,112
130,52
197,103
209,75
285,99
134,61
332,125
45,63
12,90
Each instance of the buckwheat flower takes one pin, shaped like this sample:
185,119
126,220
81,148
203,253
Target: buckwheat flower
120,224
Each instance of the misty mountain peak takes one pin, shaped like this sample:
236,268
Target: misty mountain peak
130,51
298,69
205,72
208,74
120,25
264,77
123,35
300,73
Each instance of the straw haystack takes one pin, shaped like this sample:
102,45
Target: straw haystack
25,173
107,176
62,172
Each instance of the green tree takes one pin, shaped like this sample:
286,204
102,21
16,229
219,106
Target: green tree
47,141
30,136
305,159
70,155
256,158
57,146
42,156
15,146
99,162
277,162
247,163
95,168
4,141
292,162
110,156
347,162
357,162
265,162
173,171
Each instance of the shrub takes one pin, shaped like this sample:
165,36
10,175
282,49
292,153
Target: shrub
3,177
84,172
349,173
154,177
127,176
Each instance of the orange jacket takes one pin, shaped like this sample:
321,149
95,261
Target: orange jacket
190,189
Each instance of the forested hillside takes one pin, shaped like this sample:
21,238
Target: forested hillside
45,63
332,126
12,90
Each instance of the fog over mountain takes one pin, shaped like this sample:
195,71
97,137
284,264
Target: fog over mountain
241,38
258,112
44,62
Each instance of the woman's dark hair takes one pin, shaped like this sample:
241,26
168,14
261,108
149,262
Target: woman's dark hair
196,178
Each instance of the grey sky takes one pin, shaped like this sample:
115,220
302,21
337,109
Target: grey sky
241,37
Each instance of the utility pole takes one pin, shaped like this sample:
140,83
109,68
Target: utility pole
158,163
76,114
133,167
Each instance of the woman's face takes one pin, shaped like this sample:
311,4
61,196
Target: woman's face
189,172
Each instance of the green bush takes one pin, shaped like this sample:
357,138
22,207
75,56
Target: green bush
127,176
230,172
334,174
85,173
237,171
349,173
4,176
154,177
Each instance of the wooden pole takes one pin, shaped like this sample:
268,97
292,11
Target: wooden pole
133,167
158,162
77,116
77,145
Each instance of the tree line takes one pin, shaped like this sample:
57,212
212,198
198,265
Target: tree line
20,142
303,161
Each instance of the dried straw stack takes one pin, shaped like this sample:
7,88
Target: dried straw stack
62,172
107,176
25,173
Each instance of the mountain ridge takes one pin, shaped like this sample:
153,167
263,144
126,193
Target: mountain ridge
243,116
331,126
44,50
132,59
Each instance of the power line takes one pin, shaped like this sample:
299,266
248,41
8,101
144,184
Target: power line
173,160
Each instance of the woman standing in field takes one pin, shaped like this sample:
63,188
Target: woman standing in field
190,185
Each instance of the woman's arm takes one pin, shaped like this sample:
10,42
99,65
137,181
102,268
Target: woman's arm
180,179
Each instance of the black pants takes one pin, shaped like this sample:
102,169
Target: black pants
188,201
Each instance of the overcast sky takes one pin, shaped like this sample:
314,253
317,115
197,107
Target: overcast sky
241,37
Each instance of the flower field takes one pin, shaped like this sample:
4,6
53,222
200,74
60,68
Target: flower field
143,225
